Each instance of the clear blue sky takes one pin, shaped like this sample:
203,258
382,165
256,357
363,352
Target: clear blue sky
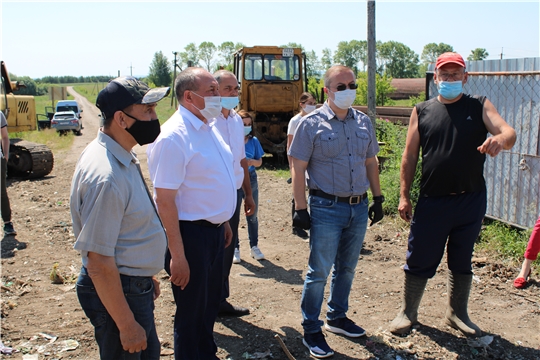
101,38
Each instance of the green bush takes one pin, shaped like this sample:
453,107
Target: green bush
383,89
504,241
393,136
413,100
315,87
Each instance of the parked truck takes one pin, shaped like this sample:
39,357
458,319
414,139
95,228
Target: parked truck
271,81
26,159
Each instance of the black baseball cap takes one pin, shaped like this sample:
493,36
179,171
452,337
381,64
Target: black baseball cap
125,91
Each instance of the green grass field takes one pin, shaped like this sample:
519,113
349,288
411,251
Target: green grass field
89,90
48,137
164,109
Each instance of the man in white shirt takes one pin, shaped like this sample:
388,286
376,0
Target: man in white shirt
231,128
191,168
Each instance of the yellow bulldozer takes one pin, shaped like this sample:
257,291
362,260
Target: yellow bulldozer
271,81
26,159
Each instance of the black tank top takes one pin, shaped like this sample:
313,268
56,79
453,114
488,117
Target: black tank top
449,136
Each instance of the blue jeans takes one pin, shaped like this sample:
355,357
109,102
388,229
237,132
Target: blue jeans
139,293
252,220
336,238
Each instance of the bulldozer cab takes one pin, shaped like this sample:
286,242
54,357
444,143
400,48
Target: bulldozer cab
271,80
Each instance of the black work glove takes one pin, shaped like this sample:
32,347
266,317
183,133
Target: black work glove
301,219
375,212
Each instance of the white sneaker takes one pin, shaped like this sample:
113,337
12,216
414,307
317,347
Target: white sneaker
236,258
256,253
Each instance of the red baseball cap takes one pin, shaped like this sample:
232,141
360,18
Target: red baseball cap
449,58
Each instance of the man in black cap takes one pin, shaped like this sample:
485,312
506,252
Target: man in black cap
118,231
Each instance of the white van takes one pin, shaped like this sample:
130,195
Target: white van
69,105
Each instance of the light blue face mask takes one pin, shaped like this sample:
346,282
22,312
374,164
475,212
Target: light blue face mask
247,130
229,103
450,89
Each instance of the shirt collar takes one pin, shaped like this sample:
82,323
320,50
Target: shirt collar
232,115
191,118
327,110
122,155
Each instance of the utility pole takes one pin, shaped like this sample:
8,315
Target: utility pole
131,69
502,53
371,39
175,64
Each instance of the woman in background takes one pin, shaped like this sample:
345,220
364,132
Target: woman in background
254,153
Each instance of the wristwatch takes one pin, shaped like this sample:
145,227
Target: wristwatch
378,199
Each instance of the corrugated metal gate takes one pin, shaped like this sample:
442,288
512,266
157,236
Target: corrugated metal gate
513,177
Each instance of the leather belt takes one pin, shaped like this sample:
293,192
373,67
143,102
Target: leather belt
205,223
352,200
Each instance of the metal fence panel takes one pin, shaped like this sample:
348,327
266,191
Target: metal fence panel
513,177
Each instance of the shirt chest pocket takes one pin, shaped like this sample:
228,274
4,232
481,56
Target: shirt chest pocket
330,146
362,142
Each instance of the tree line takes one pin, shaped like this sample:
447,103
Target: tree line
394,59
40,86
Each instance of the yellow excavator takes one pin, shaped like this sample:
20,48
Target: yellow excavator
26,159
271,81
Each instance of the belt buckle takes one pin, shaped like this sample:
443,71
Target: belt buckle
355,200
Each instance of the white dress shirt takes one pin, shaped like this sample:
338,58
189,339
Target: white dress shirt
232,131
192,157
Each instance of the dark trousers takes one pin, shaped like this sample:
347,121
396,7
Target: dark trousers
453,222
229,250
6,207
197,305
139,293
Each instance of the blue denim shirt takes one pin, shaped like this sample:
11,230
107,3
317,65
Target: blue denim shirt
336,151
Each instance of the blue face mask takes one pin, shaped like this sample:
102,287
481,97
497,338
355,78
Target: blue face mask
450,89
229,103
247,130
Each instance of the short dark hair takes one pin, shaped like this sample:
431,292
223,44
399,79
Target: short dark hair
220,73
332,70
245,114
305,96
186,80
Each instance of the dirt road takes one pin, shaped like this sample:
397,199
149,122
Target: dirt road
35,311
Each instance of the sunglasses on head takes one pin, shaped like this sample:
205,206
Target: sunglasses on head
343,87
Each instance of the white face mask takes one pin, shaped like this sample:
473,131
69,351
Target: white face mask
212,106
344,99
309,108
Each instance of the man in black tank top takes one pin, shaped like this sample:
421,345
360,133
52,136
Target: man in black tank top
451,130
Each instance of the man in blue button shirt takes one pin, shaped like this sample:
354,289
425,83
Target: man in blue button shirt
336,145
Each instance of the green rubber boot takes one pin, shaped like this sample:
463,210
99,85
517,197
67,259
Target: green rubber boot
459,287
412,295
